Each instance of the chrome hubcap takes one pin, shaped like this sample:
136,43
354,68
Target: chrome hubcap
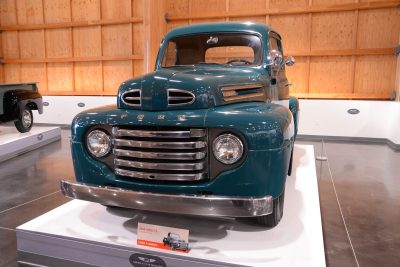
26,118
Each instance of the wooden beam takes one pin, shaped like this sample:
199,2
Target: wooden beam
70,24
70,59
307,10
155,27
365,96
1,65
397,83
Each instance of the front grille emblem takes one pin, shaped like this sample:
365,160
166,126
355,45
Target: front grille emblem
181,117
140,117
160,116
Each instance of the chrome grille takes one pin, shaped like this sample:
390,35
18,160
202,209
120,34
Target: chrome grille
131,97
160,154
178,97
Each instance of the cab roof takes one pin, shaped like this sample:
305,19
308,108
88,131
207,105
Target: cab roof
220,27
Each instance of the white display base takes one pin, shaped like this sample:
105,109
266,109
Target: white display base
88,234
14,143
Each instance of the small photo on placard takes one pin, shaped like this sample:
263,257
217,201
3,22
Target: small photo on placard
162,237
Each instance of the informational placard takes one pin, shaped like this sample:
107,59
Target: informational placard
162,237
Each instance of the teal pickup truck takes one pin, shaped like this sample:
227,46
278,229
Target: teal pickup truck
210,132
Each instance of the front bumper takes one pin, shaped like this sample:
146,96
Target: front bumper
207,205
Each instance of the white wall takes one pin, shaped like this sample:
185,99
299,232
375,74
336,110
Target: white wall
62,109
394,128
330,118
377,119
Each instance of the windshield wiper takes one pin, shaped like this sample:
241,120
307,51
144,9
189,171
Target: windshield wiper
212,63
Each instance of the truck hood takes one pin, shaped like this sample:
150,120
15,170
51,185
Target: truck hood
204,83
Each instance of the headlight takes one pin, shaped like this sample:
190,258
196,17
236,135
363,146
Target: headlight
227,148
98,143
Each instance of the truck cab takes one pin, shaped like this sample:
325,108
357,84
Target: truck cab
210,132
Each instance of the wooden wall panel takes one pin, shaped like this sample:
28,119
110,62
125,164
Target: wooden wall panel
331,2
243,5
34,72
60,78
334,30
85,10
283,4
8,15
293,37
58,45
298,75
10,44
29,11
138,38
378,28
115,72
331,75
31,44
375,74
12,73
88,77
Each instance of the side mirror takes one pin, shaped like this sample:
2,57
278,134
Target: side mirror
290,61
275,58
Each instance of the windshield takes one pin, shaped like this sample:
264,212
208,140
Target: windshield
237,49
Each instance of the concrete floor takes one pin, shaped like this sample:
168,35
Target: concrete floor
358,185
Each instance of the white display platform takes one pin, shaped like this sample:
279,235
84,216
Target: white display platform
14,143
80,233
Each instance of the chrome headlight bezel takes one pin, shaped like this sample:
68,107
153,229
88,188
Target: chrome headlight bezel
225,137
107,142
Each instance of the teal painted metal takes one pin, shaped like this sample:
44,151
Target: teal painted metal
267,129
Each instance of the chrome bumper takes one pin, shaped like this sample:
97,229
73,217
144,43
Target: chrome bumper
179,204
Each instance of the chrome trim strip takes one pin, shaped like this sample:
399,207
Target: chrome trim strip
159,134
241,97
160,176
207,205
193,97
160,165
241,87
164,145
159,155
132,91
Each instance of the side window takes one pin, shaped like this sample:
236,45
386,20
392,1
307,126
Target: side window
275,44
170,55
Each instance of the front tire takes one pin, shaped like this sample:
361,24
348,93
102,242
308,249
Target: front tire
272,220
25,122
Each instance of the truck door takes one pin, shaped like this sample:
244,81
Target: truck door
279,81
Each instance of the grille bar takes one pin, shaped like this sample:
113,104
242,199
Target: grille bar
161,145
161,176
159,155
161,134
159,165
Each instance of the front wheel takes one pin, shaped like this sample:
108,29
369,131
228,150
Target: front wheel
272,220
25,122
